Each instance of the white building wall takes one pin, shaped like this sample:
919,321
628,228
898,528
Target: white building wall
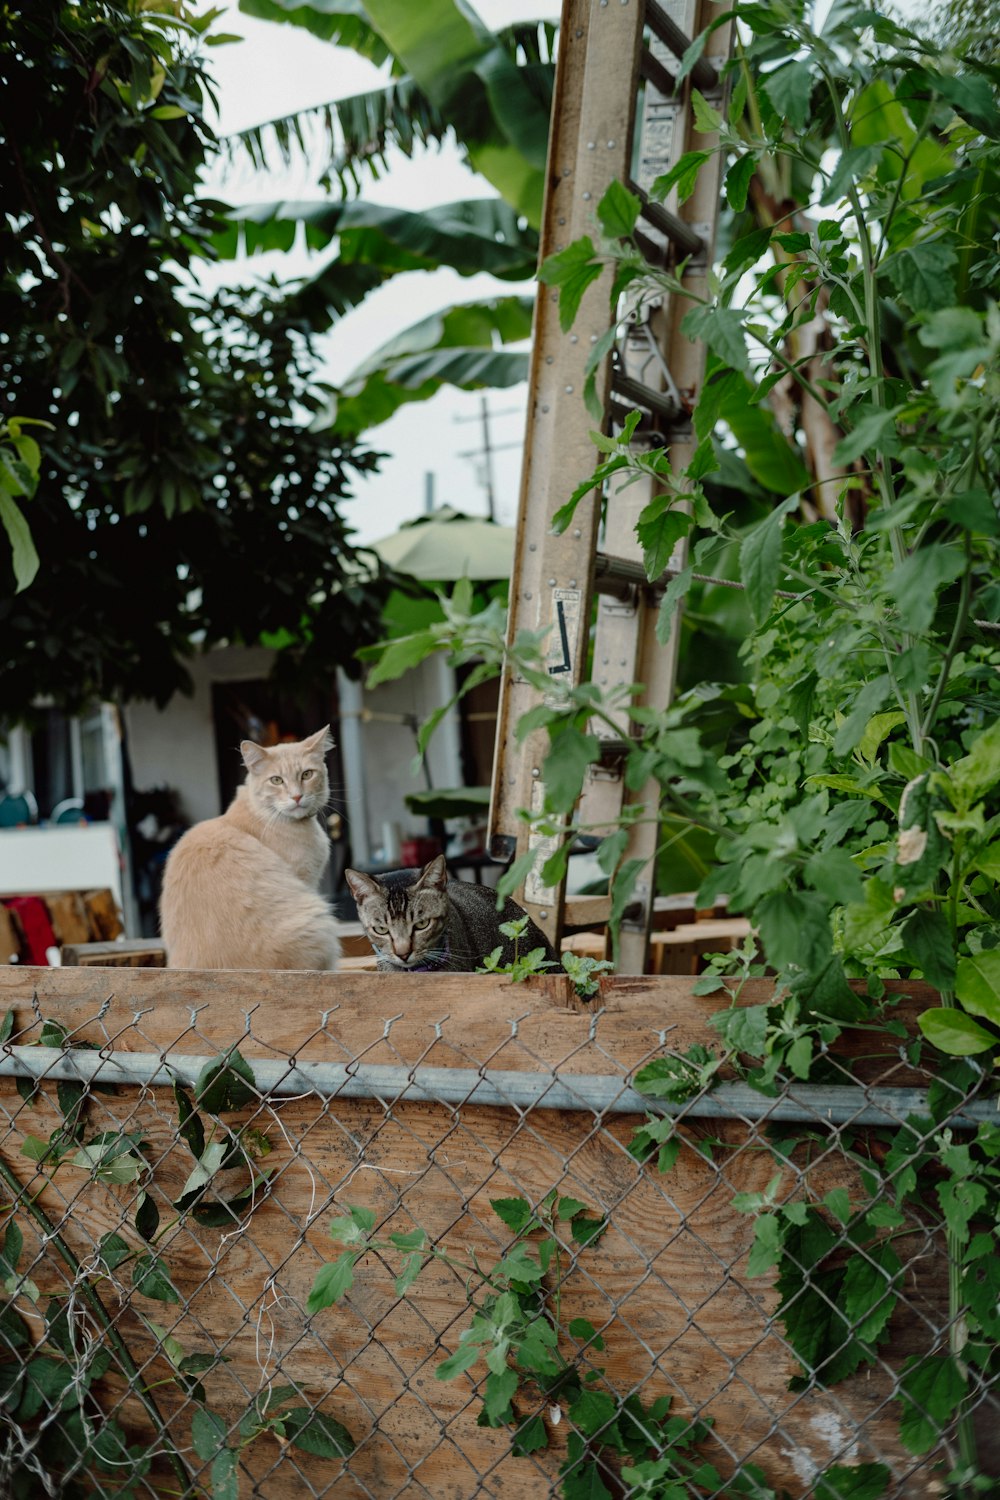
175,746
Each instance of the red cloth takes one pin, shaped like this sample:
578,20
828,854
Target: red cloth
33,915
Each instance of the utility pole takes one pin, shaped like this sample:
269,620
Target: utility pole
487,460
487,449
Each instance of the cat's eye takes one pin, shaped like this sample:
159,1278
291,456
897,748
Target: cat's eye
276,780
307,773
421,925
380,930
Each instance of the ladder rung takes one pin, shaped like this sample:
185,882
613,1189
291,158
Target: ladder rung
654,401
618,575
654,253
612,749
655,73
703,74
582,910
675,229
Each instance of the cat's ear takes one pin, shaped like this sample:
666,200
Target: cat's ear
361,886
434,876
321,741
254,756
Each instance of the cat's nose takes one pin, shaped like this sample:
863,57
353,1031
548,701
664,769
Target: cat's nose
401,949
296,797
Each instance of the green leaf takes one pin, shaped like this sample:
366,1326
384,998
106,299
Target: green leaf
569,755
582,1479
659,529
852,166
794,929
13,1244
571,270
766,1249
501,1386
44,1384
979,771
867,701
743,1027
914,583
227,1083
147,1216
930,1392
592,1411
954,1032
790,89
150,1277
584,1330
977,984
568,1208
760,560
673,596
225,1475
922,274
410,1271
928,941
721,328
529,1437
835,875
738,179
683,175
860,1482
961,1201
586,1230
317,1432
415,1239
208,1433
868,1296
873,429
877,730
464,1358
707,119
202,1173
24,557
748,250
618,211
332,1281
400,655
189,1125
516,1213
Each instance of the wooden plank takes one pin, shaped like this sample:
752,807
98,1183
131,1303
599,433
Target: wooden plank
666,1285
103,915
11,940
68,915
442,1020
136,953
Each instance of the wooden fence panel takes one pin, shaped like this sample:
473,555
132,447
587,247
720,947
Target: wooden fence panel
666,1285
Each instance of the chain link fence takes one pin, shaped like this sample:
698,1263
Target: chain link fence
539,1280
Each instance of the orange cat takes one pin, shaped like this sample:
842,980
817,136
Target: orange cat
241,891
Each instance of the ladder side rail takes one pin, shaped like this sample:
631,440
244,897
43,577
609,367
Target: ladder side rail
552,580
658,663
625,647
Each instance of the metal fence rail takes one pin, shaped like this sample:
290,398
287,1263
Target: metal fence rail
156,1341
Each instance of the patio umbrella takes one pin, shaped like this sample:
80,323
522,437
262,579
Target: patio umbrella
447,545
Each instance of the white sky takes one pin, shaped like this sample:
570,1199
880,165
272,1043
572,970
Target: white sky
277,70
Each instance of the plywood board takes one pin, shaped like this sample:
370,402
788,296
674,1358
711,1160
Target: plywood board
666,1285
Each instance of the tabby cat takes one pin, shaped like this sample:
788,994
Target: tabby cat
420,920
241,891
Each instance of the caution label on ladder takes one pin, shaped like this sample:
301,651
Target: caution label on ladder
564,633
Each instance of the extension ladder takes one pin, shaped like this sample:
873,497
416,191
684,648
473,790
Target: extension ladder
611,54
